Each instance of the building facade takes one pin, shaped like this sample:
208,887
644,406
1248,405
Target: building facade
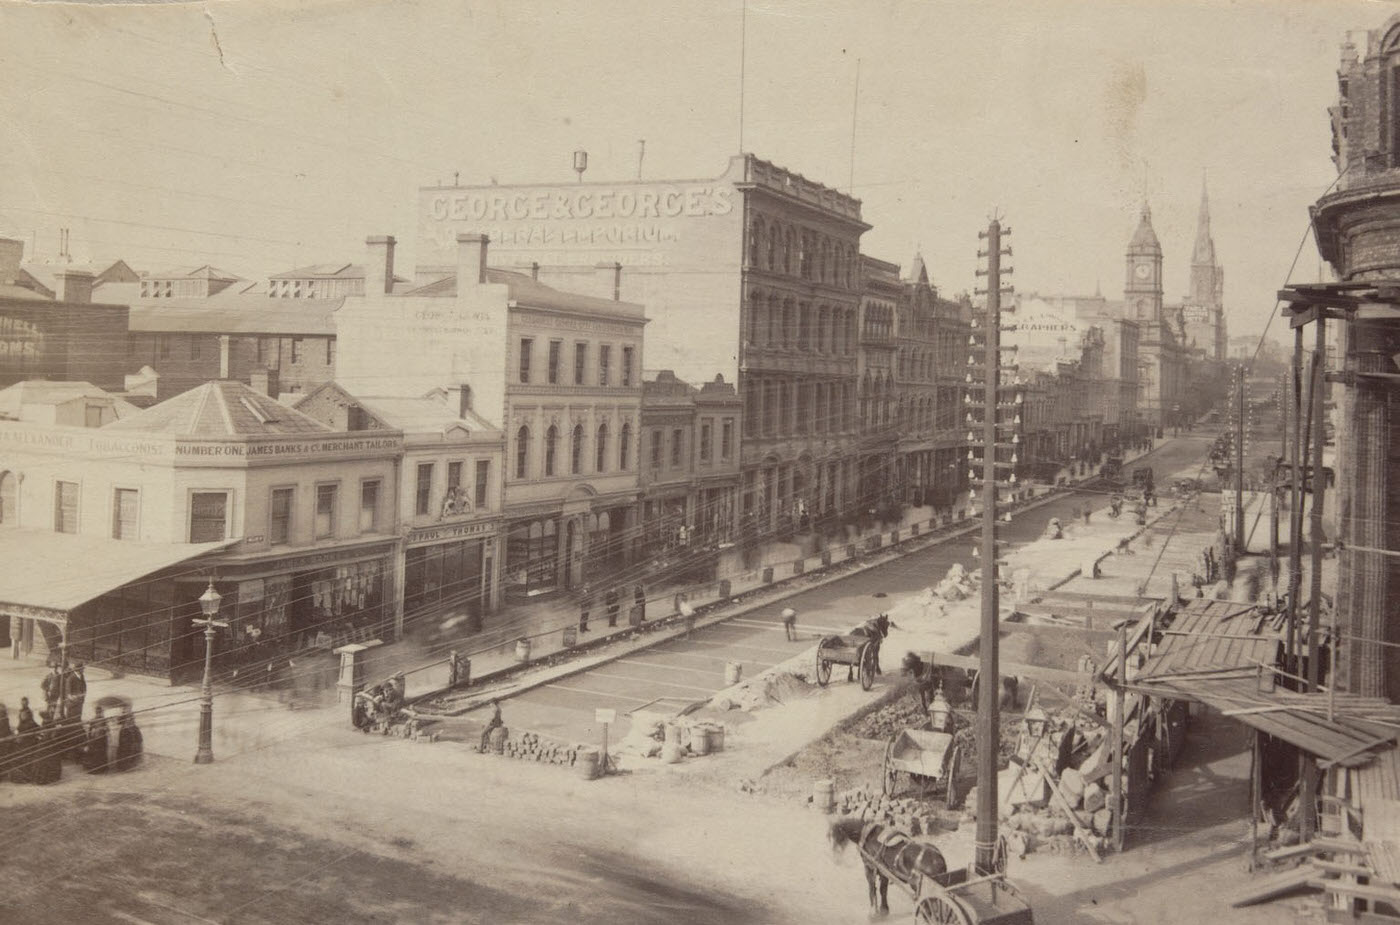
767,257
1161,356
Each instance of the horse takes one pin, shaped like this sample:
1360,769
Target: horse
875,630
928,677
910,858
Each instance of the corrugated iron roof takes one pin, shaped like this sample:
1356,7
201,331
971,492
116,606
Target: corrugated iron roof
241,314
1209,635
223,408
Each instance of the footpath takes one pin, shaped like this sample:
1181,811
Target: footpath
245,720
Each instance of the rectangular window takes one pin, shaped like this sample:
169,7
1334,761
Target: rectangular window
656,449
369,506
626,366
296,350
163,345
580,362
526,345
424,495
555,349
92,416
705,444
325,511
65,507
604,359
726,439
483,479
677,444
280,525
124,508
208,516
330,351
194,346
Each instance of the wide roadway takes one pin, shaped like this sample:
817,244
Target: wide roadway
672,674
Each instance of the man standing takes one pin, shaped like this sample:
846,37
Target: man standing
790,624
639,600
52,686
611,600
496,723
585,603
76,693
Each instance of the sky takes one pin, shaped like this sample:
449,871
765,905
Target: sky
262,136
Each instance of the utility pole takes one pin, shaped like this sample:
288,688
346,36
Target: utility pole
1295,498
1239,464
989,684
1318,481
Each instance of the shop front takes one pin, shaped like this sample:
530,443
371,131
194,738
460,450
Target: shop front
562,552
448,571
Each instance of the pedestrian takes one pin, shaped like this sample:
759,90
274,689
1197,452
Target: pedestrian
7,743
639,600
687,616
46,757
585,603
1086,513
95,753
495,723
25,722
52,686
790,624
611,600
130,743
77,692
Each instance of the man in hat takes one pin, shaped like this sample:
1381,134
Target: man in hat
77,691
585,604
789,624
52,686
496,722
611,600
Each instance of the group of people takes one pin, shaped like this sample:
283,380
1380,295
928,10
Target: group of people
34,750
612,600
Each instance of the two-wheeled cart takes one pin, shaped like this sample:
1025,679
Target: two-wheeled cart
857,651
926,758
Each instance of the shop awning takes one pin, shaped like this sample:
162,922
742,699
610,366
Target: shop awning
45,575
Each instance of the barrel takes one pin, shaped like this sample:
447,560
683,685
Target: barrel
673,734
716,736
824,795
733,671
587,762
496,740
570,636
699,739
522,650
671,753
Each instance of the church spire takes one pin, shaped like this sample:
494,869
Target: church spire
1204,251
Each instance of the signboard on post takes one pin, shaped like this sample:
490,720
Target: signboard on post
606,717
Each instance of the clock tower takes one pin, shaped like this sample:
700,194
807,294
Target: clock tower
1142,295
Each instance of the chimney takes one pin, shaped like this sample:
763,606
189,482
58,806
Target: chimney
610,279
460,398
264,381
471,260
11,254
379,272
535,271
74,285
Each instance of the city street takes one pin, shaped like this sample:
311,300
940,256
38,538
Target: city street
677,672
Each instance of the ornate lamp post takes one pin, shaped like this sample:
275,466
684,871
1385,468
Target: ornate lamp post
208,604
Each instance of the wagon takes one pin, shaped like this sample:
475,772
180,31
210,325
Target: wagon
961,898
926,757
859,651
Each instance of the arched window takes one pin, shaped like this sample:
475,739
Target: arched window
758,317
551,445
775,322
755,241
522,451
601,450
9,509
790,252
576,451
624,447
774,234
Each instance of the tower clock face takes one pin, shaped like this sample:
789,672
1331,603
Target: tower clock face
1142,271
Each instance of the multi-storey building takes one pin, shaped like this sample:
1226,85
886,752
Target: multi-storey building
292,520
769,260
1161,356
878,405
448,496
689,471
559,373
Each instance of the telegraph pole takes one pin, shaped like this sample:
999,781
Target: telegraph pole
989,685
1239,464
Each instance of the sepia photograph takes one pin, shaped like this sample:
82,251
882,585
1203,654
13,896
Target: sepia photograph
721,462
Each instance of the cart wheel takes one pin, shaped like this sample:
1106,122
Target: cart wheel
823,668
867,667
891,781
954,769
940,909
999,855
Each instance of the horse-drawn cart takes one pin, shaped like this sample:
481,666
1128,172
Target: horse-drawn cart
926,757
959,898
860,652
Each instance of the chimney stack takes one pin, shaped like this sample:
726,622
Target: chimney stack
610,279
459,397
379,272
264,381
74,285
471,260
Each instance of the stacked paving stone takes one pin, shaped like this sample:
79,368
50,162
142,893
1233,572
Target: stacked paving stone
531,746
908,815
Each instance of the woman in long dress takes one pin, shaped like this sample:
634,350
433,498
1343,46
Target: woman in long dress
7,742
95,753
26,744
129,743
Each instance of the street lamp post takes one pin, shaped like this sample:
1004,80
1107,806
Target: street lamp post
209,605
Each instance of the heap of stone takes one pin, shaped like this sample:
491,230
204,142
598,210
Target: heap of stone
958,584
908,815
531,746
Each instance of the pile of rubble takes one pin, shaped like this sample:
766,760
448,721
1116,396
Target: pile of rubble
1054,791
654,735
773,687
531,746
958,584
909,815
